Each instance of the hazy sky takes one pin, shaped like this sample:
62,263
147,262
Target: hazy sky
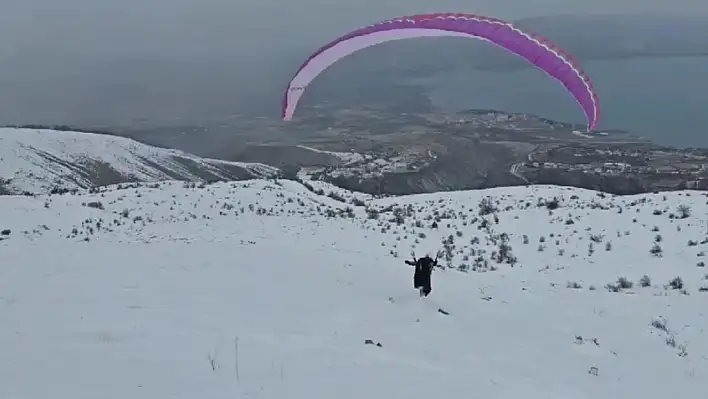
120,57
119,26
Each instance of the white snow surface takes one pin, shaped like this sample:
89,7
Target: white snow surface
37,160
260,289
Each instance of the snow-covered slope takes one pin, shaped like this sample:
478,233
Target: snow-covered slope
261,289
38,161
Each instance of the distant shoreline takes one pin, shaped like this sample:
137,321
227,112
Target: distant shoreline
506,67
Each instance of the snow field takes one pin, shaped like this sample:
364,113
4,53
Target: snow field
263,289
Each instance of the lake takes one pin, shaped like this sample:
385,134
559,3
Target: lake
665,100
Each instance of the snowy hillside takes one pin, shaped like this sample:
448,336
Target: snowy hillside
38,161
263,289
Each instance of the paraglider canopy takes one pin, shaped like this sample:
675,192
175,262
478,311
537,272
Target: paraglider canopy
538,51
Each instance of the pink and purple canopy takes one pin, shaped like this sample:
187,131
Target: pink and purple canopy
538,51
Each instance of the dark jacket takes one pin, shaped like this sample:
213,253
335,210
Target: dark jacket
423,272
